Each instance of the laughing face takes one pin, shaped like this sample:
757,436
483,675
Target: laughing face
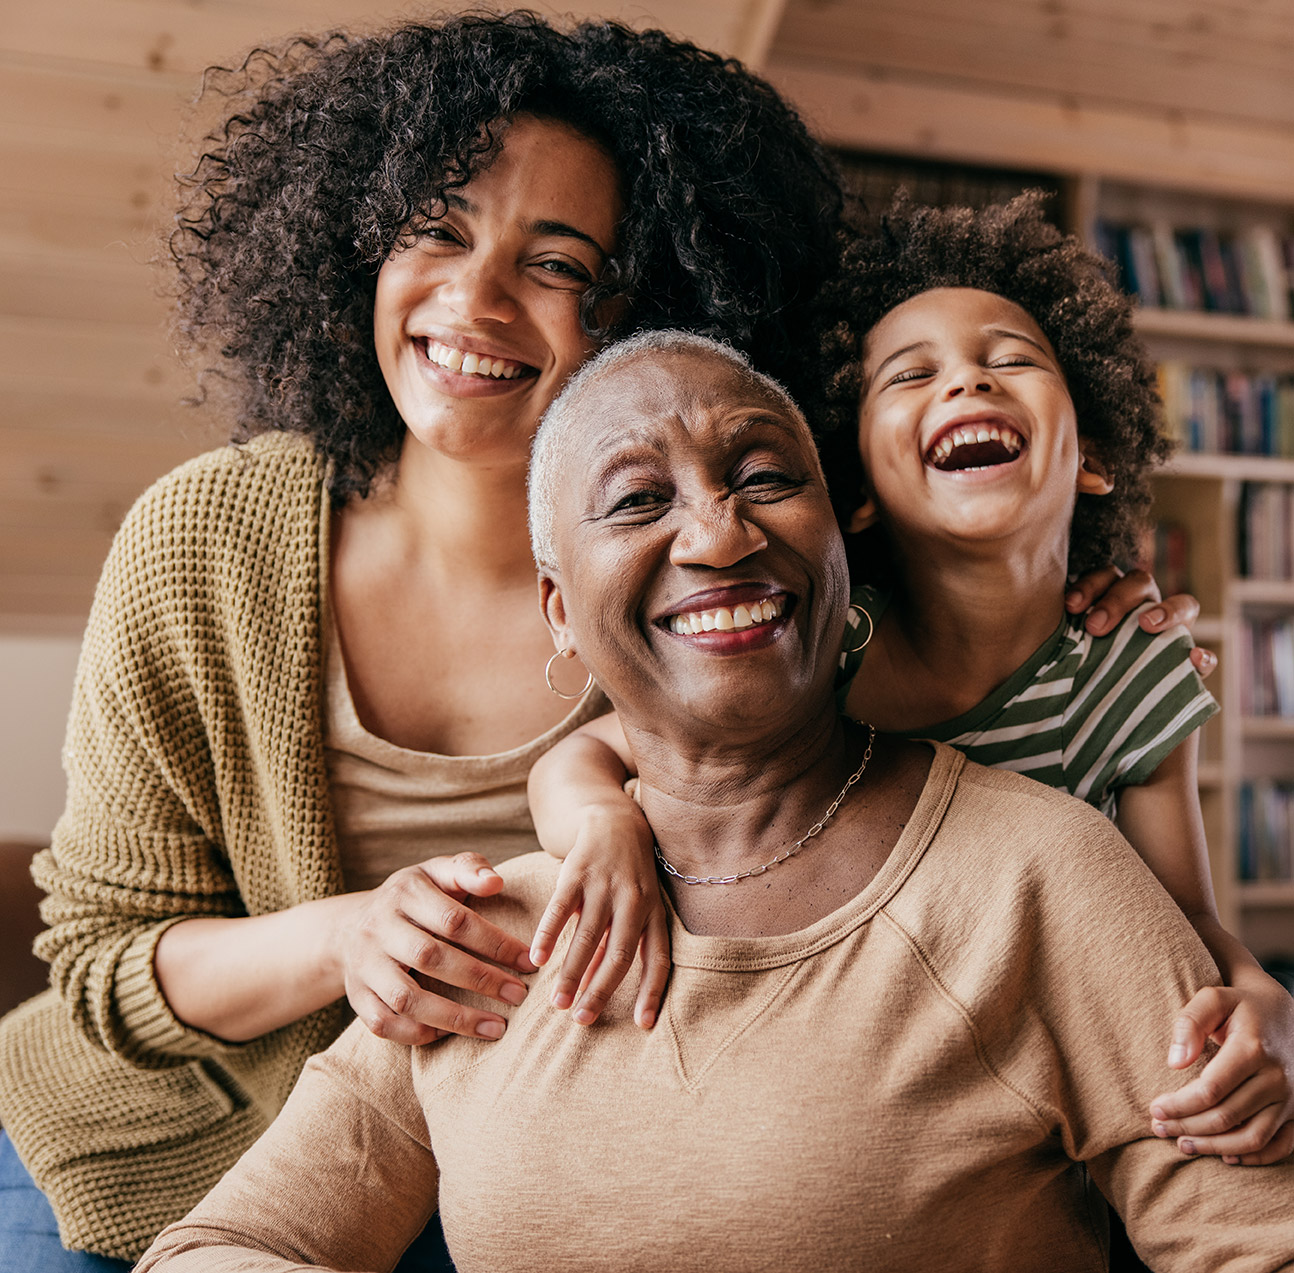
476,318
701,574
967,431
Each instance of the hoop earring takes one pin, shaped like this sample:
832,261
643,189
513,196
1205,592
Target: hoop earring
548,676
871,628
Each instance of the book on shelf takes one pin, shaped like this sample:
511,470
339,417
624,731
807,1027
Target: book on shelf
1265,823
1227,412
1248,271
1267,667
1166,553
1265,538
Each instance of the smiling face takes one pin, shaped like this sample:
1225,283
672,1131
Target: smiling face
476,318
967,431
700,574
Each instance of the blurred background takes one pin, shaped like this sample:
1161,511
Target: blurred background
1164,127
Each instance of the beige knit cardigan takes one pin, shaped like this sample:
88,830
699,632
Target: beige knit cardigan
196,786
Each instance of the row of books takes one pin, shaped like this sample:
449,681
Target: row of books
1249,271
1266,831
1228,412
1266,530
1267,667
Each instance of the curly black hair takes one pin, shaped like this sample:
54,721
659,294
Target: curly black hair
331,145
1012,250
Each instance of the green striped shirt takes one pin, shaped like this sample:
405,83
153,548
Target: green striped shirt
1084,714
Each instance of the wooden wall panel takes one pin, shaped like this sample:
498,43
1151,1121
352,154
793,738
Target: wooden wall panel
1231,60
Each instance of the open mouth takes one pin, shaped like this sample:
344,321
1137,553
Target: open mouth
751,614
974,446
468,364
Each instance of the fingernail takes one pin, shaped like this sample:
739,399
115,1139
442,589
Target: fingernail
1176,1054
585,1016
1157,1112
491,1029
536,956
1154,617
562,1000
1208,661
1073,599
526,963
486,870
1097,620
1229,1160
513,992
1159,1129
1186,1146
647,1019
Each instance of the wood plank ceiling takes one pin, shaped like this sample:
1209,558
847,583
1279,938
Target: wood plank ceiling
93,92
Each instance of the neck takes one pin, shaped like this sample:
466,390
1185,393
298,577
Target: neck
721,806
976,619
466,519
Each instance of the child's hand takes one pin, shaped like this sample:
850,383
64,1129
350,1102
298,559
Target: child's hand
609,880
1241,1106
1109,595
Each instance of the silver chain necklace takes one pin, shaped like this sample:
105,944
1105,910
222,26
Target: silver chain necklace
815,829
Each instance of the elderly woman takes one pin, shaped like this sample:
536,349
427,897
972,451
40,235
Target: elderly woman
883,1035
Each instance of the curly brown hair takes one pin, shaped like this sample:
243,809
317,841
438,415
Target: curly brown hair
1012,250
331,146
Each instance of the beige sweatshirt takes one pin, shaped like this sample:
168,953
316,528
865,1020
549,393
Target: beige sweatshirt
926,1079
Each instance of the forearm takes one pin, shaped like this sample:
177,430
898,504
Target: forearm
240,978
1235,962
578,777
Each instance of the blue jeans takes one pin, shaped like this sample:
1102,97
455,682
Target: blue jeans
29,1233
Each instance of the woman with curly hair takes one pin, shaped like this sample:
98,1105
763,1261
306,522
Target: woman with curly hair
315,659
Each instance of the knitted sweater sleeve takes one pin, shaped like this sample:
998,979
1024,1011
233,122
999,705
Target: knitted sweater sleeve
165,792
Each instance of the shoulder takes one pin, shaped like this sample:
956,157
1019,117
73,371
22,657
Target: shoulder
274,468
1050,864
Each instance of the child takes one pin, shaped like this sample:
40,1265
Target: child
1008,425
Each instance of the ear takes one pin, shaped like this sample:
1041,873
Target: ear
1093,479
864,516
553,608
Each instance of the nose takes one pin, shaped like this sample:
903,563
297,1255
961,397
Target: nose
716,535
967,377
480,290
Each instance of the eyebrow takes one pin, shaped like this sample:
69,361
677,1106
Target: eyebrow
560,229
642,450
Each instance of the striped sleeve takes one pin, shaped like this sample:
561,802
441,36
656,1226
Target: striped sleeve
1136,698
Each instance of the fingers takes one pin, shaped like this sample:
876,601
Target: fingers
1083,592
1123,595
404,1012
654,949
618,952
1206,1013
1205,661
592,924
462,875
1180,608
1250,1138
564,903
424,896
1279,1148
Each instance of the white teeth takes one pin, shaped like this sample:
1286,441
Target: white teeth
472,364
968,435
722,619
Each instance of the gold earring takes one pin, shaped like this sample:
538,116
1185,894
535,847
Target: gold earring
548,675
871,628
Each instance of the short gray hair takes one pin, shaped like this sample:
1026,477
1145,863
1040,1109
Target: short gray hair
564,412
